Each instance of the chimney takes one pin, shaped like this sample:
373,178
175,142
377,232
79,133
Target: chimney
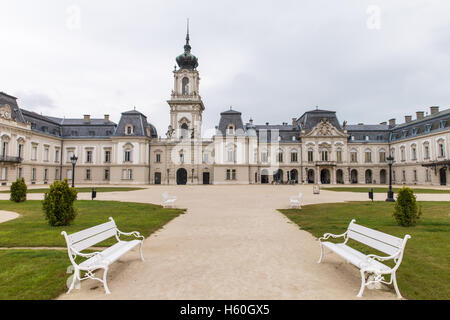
106,118
408,118
434,109
267,123
383,123
87,118
294,122
419,115
392,122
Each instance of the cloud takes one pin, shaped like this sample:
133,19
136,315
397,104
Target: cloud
271,60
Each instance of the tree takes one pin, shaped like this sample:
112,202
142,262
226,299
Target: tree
58,204
406,211
18,190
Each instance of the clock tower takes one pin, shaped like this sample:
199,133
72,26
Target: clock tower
186,105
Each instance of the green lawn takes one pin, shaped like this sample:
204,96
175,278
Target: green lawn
84,189
425,270
32,274
42,274
32,230
383,189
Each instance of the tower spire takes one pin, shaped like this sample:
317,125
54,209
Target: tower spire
187,33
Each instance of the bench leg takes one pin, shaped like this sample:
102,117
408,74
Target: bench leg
321,253
394,280
76,277
104,281
363,284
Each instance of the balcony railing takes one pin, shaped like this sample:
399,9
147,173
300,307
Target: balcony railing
10,159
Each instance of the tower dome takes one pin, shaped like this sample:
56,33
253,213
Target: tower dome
187,60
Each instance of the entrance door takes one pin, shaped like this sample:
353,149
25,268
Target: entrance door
383,176
310,176
443,176
181,176
264,176
157,177
325,176
205,177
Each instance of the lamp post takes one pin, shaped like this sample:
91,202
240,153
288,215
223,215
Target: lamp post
73,159
390,194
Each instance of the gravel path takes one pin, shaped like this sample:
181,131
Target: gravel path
232,244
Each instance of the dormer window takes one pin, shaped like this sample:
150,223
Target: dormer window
230,129
442,124
128,129
428,127
404,133
366,138
415,131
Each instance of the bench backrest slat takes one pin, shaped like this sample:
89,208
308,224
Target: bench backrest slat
89,242
87,233
375,239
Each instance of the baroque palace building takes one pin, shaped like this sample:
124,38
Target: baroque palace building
314,148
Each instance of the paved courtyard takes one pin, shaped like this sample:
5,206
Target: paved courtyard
231,244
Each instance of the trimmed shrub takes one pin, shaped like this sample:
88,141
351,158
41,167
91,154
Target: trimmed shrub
58,204
406,211
18,190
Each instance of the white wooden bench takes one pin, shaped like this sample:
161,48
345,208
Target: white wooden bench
296,202
168,201
79,241
371,264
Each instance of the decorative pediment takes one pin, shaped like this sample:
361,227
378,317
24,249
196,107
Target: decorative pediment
325,129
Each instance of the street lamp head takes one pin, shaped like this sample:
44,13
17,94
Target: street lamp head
390,159
73,159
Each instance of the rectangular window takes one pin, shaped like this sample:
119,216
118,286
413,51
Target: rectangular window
294,157
33,174
34,153
426,152
264,157
106,174
88,156
310,156
403,175
415,175
339,156
368,157
57,155
427,175
441,150
56,174
228,174
233,174
45,174
130,174
46,154
324,155
205,157
107,156
127,174
158,158
3,173
88,174
4,149
382,156
19,173
127,155
20,151
353,157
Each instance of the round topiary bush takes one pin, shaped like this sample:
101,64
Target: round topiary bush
406,211
18,190
58,204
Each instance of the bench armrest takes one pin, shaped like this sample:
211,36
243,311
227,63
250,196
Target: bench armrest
134,233
379,258
85,255
327,235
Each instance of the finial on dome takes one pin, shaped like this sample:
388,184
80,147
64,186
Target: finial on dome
187,33
187,60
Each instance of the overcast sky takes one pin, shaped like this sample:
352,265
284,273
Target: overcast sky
272,60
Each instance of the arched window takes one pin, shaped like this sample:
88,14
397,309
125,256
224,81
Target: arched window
185,86
129,129
184,131
441,148
426,151
402,154
230,129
